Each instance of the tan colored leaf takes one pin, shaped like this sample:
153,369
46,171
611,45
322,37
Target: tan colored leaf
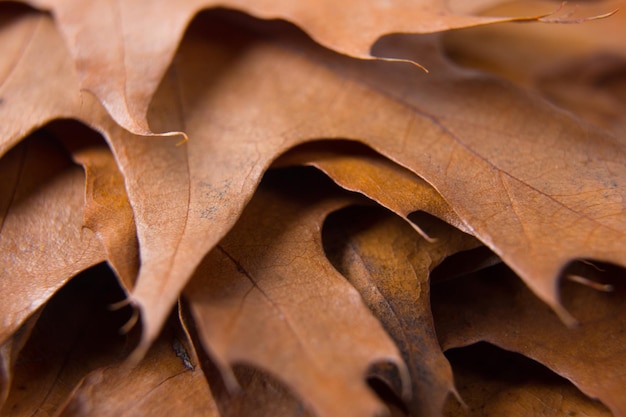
75,334
42,240
122,49
356,168
267,296
389,265
161,385
498,309
497,383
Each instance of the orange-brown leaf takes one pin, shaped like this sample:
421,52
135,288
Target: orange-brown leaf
37,78
107,210
498,309
533,183
267,296
358,169
42,240
75,334
495,383
161,385
390,265
122,49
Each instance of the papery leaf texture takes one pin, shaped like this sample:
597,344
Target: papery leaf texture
312,208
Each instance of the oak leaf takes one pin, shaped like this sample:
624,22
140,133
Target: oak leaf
267,296
547,191
75,334
495,307
165,383
42,239
122,49
390,266
493,382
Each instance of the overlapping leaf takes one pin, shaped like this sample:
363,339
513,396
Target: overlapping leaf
389,265
267,296
536,192
498,309
122,49
42,240
494,383
163,384
67,343
358,169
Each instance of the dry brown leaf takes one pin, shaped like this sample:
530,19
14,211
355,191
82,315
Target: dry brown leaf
593,87
122,49
578,67
75,334
167,382
37,79
390,265
42,240
538,47
534,184
107,210
499,309
267,296
260,395
495,383
9,352
357,168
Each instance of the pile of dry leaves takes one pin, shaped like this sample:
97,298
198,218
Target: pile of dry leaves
312,208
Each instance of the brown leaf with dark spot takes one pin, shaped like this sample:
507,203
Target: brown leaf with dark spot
165,383
43,243
496,307
267,296
389,265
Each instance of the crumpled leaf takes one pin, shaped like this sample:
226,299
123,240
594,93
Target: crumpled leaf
356,168
75,334
498,309
162,384
389,265
267,296
42,240
122,49
494,383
